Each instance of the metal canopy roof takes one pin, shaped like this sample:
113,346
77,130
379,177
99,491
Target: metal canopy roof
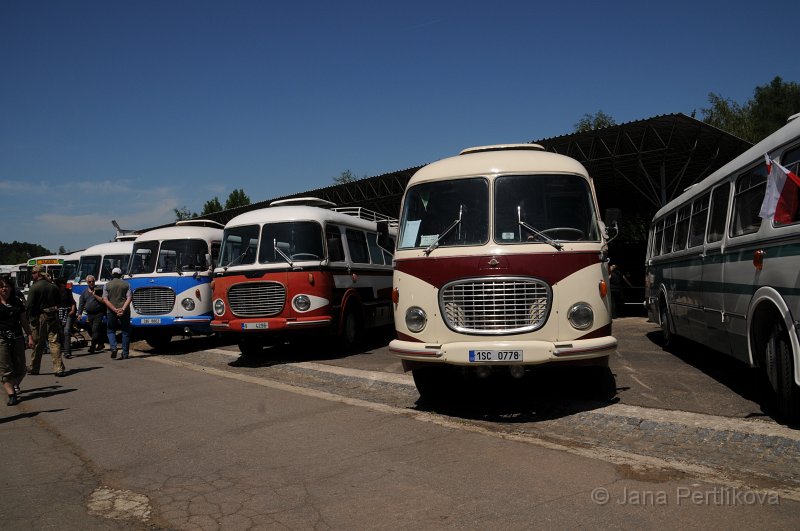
637,166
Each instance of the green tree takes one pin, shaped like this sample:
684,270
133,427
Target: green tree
345,177
62,249
590,122
211,206
19,252
237,198
184,213
767,111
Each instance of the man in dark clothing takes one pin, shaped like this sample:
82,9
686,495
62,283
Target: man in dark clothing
43,301
95,309
117,296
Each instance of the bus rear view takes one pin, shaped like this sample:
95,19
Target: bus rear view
500,266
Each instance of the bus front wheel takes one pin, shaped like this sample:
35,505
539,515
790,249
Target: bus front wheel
780,371
667,337
159,340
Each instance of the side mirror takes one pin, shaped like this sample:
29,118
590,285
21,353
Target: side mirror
209,262
612,216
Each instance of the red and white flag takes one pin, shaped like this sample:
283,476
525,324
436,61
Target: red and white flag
780,199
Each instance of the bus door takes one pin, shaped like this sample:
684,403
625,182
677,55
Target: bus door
713,270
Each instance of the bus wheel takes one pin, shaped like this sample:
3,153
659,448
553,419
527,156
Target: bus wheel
780,371
434,384
159,340
667,337
250,347
351,331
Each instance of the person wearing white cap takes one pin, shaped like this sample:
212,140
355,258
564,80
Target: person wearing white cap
117,297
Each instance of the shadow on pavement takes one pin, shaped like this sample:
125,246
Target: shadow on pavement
28,415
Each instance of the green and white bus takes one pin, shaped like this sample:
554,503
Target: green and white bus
720,274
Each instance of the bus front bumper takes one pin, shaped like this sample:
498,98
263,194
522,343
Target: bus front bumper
270,324
529,352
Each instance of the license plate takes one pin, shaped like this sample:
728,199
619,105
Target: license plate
255,326
495,355
151,321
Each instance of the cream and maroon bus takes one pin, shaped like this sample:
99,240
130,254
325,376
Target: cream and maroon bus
302,267
499,265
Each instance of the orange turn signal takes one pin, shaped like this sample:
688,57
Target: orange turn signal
395,295
197,294
758,259
603,289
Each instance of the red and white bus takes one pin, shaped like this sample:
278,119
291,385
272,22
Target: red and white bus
301,267
500,265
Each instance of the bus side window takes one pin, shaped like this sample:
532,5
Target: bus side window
718,214
682,228
669,233
375,252
750,189
659,234
787,210
357,245
335,248
697,228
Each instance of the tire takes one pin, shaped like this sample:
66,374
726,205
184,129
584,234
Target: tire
780,372
668,338
352,331
435,384
250,347
159,340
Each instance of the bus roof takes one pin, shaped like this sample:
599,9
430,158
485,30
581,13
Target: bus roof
109,248
179,232
497,160
298,213
755,154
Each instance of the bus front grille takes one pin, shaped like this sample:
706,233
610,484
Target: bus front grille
500,305
154,300
257,299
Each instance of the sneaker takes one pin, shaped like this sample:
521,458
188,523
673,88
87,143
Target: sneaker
91,350
113,354
68,356
13,400
61,374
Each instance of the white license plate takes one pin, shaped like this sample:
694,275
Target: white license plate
151,321
495,355
255,326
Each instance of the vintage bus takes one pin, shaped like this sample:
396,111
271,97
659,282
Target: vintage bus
302,267
719,274
99,260
170,274
500,266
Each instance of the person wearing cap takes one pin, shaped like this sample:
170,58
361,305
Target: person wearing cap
95,309
43,301
117,298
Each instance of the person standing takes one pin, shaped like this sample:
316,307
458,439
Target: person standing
66,315
43,301
117,298
13,322
95,309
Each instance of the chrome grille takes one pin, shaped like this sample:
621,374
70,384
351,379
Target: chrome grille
156,300
257,299
503,305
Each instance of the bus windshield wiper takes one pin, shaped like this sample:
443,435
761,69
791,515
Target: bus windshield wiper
543,236
447,231
283,255
238,258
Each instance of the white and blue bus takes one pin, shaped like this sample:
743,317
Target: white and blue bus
99,260
721,274
170,273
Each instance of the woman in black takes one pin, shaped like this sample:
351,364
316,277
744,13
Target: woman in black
13,320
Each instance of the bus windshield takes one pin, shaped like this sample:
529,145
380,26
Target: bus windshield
110,261
445,213
144,257
535,208
182,255
297,240
239,246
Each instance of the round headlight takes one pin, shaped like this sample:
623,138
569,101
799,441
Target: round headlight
188,304
416,319
219,307
301,303
580,316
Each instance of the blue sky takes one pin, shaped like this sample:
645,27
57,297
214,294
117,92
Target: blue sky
128,110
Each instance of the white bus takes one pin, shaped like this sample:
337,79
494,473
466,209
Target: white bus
719,274
170,274
500,265
99,260
300,267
